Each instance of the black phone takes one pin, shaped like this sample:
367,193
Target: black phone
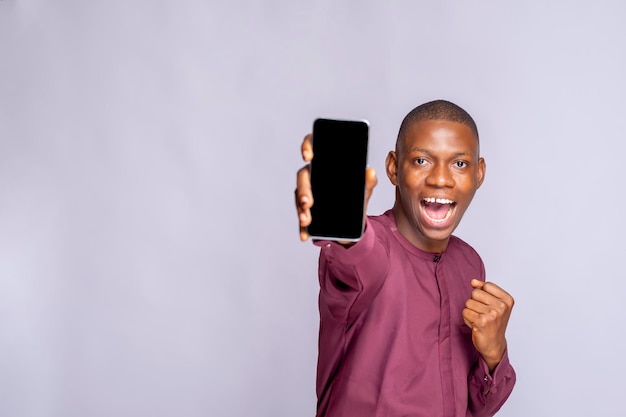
338,179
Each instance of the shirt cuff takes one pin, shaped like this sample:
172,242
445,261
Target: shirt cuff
353,254
490,380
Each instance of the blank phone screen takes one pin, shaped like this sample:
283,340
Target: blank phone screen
338,179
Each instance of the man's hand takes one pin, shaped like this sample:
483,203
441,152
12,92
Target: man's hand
304,197
487,313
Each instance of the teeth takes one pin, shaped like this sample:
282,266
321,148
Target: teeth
437,200
430,200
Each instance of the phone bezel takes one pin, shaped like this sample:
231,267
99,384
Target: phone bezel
320,236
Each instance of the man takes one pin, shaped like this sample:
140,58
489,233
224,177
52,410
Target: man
408,326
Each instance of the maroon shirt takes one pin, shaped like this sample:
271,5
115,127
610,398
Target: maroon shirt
392,340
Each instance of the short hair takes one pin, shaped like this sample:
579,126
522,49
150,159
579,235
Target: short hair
437,110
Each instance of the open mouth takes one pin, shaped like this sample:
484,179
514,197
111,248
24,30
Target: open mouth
437,210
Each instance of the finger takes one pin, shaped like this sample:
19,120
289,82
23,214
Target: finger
302,209
304,201
499,293
470,318
304,218
481,296
304,195
307,148
476,306
489,308
490,289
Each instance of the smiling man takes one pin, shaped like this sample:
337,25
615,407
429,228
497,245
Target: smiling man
408,326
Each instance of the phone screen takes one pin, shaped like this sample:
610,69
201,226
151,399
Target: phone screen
338,179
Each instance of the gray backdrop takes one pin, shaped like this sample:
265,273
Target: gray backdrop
149,255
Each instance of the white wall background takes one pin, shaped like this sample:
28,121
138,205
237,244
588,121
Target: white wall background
149,255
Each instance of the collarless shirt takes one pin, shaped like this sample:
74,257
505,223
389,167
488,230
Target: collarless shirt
392,341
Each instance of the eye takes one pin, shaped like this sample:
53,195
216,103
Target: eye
420,161
460,164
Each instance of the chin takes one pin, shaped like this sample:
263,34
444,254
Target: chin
435,235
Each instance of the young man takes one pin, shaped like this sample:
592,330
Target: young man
408,326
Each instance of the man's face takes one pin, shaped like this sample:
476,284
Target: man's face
436,170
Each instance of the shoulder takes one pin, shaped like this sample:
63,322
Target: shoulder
386,219
383,224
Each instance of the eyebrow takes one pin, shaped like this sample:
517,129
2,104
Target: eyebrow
424,150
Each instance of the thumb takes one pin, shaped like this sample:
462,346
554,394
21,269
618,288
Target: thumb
476,283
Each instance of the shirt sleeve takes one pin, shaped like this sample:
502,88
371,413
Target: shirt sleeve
489,391
351,277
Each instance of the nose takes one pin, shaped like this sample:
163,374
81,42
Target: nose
440,176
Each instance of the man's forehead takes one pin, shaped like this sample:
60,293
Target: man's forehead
423,131
431,137
427,150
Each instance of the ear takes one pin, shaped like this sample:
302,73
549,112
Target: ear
482,169
391,163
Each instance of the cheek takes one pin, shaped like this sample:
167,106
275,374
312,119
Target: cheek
467,197
410,201
410,178
468,184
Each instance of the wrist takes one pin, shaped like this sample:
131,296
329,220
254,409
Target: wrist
494,357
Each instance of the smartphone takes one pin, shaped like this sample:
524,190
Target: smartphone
338,179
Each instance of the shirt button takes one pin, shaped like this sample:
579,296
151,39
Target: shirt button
328,245
486,378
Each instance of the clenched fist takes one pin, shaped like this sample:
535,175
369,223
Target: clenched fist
487,313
